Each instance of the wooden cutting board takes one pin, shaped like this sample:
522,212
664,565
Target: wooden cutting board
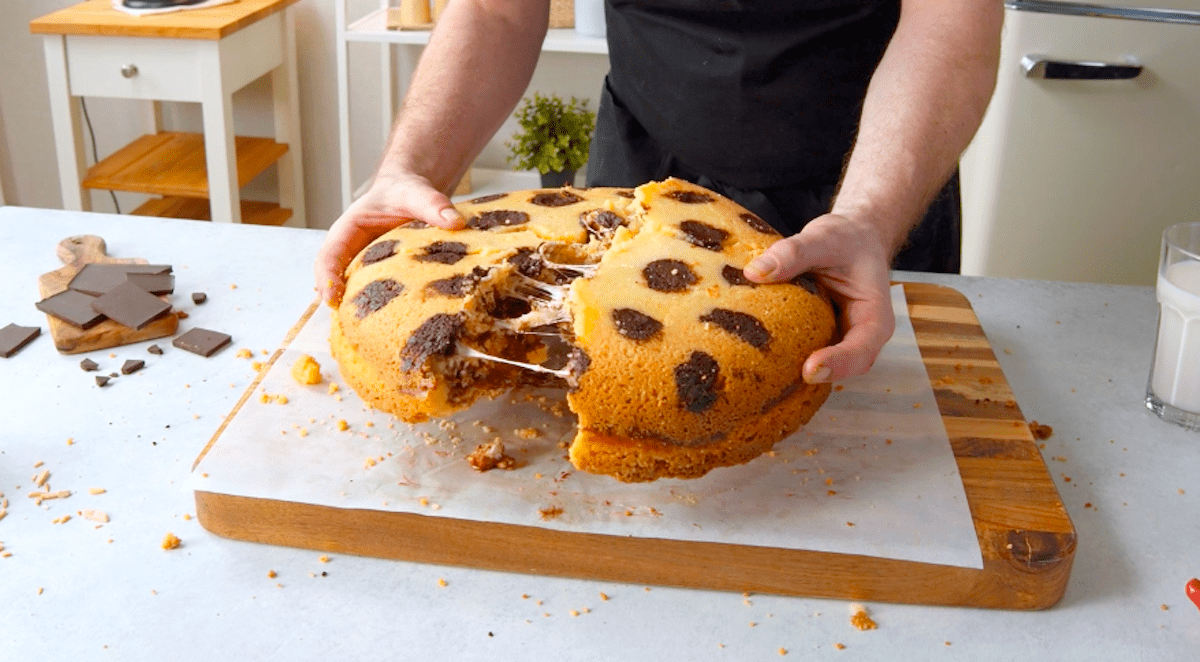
75,252
1026,538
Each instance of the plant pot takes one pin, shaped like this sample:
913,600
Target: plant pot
558,179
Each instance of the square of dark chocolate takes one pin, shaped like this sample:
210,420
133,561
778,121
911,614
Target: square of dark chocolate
13,338
202,341
130,305
153,283
74,308
97,279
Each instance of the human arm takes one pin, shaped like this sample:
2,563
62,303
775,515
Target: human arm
478,62
923,105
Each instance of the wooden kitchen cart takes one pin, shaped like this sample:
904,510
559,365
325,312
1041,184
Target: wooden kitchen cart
201,56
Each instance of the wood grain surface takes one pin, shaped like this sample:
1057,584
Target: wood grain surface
1026,538
97,17
75,252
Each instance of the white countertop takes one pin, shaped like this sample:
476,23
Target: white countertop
1077,358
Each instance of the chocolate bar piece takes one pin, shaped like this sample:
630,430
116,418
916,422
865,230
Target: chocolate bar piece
13,338
97,279
130,305
153,283
199,298
131,366
74,308
89,365
202,341
154,349
102,381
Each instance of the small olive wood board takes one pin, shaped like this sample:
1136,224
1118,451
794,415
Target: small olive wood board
75,252
1026,538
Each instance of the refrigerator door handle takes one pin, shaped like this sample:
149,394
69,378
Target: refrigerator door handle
1041,66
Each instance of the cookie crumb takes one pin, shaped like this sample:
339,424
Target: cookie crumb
306,370
860,619
490,456
171,541
550,513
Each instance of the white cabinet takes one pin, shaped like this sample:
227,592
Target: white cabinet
399,51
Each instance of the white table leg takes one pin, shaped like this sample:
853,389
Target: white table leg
287,126
343,90
219,148
68,135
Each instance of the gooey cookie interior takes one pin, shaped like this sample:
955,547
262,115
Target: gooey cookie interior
633,300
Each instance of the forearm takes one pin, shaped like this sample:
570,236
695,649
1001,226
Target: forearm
478,62
922,108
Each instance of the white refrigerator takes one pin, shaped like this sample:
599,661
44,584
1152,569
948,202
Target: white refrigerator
1091,143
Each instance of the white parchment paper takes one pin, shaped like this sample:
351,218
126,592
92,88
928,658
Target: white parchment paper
871,474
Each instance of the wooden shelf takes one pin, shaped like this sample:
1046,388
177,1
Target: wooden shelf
372,28
172,164
254,213
98,17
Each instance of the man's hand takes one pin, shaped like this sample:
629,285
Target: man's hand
391,201
852,261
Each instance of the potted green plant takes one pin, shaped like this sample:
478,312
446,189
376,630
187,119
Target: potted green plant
554,137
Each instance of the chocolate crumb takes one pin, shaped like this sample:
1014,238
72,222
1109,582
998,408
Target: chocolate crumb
443,252
742,325
379,251
437,336
669,276
698,382
559,198
375,295
635,325
131,366
704,235
89,365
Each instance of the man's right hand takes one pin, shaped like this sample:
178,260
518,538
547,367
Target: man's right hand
391,201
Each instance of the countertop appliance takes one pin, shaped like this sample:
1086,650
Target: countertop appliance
1091,144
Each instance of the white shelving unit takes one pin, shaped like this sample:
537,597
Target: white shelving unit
372,28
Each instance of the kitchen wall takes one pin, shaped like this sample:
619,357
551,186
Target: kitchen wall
29,173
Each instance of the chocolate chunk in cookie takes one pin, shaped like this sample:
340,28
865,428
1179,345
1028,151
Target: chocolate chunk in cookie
735,276
445,252
379,252
497,218
601,222
527,261
704,235
635,325
809,282
669,276
578,363
742,325
437,336
698,382
506,307
375,295
560,198
690,197
455,286
487,198
757,223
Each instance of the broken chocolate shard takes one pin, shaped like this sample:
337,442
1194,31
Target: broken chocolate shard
199,298
13,338
437,336
698,382
487,198
690,197
757,223
669,276
375,295
379,251
743,326
158,284
89,365
131,306
154,349
131,366
704,235
497,218
102,381
559,198
204,342
735,276
74,308
97,279
443,252
635,325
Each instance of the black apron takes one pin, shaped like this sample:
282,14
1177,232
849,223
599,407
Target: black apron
757,100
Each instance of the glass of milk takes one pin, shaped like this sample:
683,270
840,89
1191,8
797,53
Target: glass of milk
1174,389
